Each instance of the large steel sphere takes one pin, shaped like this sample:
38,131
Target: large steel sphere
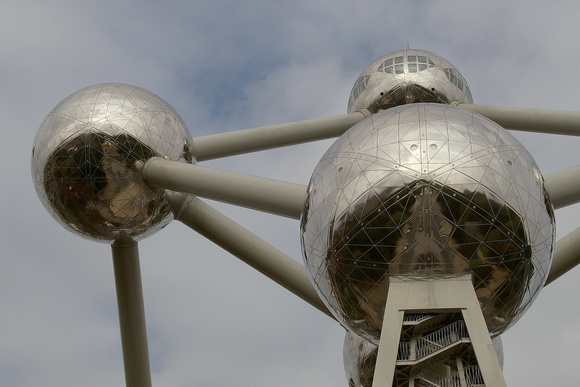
408,76
360,357
425,191
87,154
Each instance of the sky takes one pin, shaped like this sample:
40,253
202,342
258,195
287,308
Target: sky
225,66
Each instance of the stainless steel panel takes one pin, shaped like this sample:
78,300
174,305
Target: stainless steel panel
86,157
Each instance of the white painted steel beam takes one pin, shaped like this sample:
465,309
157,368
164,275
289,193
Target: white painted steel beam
566,255
131,313
275,136
529,120
246,246
564,187
432,296
273,196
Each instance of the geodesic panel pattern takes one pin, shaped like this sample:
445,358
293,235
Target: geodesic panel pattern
426,190
408,76
87,154
359,357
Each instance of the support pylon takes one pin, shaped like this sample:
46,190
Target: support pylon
456,301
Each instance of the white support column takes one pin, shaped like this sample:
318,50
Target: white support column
564,187
566,255
390,338
431,296
479,335
268,137
272,196
131,313
529,120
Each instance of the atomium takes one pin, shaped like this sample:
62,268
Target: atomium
419,190
408,76
426,191
87,154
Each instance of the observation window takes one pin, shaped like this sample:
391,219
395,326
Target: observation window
415,64
456,78
359,86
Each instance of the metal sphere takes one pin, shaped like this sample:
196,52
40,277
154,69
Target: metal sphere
408,76
87,154
426,191
360,357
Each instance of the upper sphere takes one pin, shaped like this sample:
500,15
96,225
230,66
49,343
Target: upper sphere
426,191
408,76
87,154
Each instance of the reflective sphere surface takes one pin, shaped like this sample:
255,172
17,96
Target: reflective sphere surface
426,190
408,76
360,357
86,157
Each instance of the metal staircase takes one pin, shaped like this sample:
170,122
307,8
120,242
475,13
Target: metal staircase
444,339
434,335
436,352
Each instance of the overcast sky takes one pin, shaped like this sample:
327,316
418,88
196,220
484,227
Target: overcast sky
225,66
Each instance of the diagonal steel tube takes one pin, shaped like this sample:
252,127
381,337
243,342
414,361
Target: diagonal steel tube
275,136
273,196
566,256
564,187
248,247
131,313
529,120
268,137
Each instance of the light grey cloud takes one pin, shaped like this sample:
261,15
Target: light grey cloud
224,66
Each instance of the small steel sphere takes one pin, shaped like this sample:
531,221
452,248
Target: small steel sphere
359,357
87,154
408,76
426,191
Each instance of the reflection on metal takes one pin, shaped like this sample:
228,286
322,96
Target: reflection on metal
359,357
426,190
87,154
408,76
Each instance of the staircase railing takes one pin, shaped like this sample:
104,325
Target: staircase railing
472,375
432,342
414,317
